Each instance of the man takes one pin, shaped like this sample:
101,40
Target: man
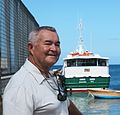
33,90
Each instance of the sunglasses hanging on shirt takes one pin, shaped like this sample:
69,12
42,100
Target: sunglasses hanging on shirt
62,95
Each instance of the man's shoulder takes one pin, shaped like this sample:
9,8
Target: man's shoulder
19,77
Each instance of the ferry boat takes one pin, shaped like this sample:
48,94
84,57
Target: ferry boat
84,70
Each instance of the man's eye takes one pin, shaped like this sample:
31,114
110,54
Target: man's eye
57,44
48,43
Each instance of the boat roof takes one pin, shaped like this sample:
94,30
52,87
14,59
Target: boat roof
85,57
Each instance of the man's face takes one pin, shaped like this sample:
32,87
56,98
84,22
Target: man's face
47,50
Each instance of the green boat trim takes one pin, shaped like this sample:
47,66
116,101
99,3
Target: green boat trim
86,82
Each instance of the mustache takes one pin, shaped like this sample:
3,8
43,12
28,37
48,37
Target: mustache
52,54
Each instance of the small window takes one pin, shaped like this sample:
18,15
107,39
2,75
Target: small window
71,63
102,62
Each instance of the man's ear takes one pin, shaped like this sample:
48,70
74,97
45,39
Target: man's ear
30,47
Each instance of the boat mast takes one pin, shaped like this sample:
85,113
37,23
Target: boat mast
81,47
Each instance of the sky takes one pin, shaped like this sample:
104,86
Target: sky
100,20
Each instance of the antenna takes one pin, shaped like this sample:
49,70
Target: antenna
81,48
91,45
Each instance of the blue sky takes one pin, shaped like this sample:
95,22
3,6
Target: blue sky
101,24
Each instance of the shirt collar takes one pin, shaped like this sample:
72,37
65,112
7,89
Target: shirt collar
31,68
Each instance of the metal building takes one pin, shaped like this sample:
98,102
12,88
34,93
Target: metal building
15,24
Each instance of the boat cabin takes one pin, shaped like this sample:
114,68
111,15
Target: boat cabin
86,72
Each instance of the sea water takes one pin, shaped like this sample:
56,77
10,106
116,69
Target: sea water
89,106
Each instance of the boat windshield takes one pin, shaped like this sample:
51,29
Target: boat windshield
86,62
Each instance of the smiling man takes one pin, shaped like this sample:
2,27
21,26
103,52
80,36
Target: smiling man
33,90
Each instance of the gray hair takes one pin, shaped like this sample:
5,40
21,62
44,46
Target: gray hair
33,35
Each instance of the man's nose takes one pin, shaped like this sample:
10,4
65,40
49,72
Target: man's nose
53,47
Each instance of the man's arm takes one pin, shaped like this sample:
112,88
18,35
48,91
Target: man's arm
73,109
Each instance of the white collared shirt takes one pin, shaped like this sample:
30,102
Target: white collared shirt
28,93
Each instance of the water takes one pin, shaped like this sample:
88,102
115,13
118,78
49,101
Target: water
115,77
100,106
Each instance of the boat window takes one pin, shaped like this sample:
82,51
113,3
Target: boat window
102,62
82,62
79,62
71,63
86,62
